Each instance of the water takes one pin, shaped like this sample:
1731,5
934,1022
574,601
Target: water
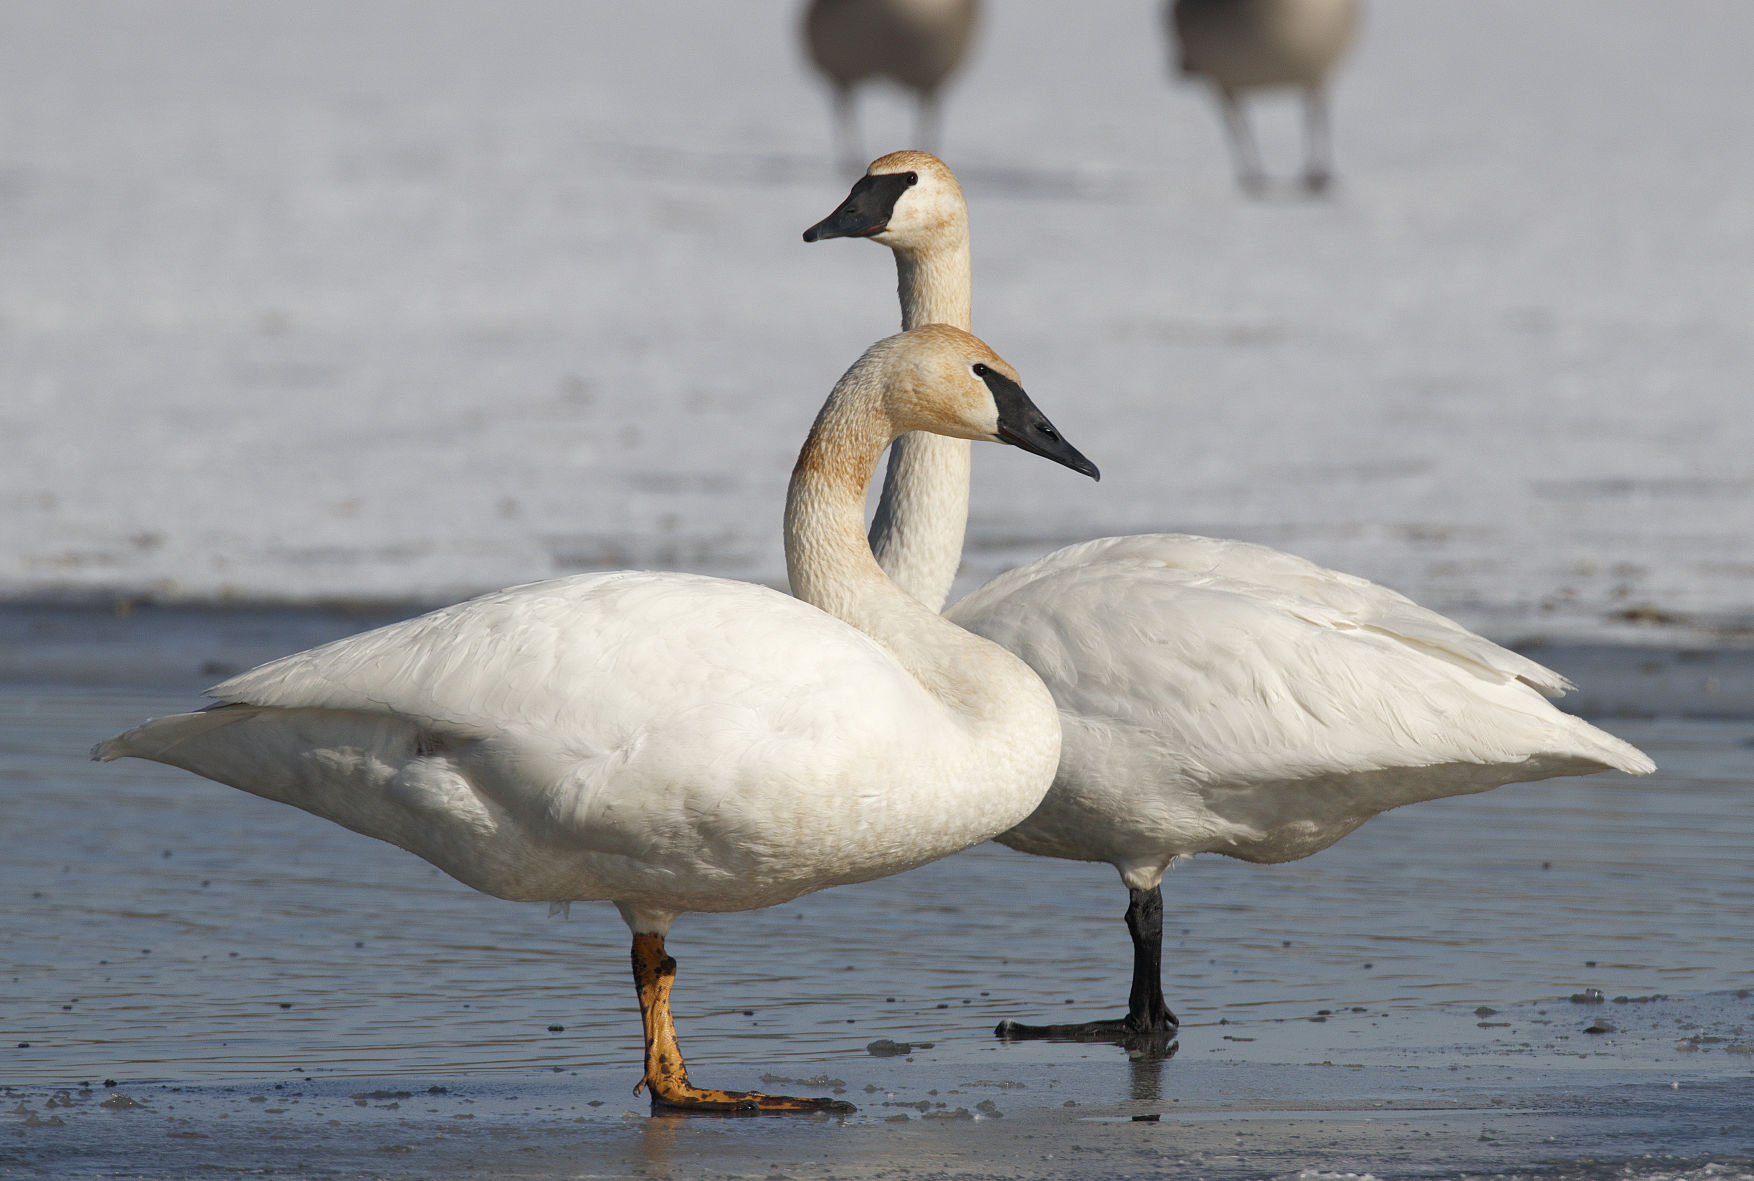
249,974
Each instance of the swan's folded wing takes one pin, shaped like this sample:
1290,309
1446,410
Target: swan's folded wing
1327,597
574,655
1232,680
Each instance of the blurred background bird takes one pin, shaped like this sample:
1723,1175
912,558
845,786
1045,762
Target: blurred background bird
1241,46
918,44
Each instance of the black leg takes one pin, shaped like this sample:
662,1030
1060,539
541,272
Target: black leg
1149,1027
1146,1012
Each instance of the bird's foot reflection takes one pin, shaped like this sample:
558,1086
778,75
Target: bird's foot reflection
1153,1043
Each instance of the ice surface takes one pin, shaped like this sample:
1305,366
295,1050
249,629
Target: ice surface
414,298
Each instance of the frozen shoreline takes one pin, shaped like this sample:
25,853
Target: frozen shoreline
1293,1121
482,300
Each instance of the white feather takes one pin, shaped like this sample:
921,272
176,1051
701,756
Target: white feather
1222,697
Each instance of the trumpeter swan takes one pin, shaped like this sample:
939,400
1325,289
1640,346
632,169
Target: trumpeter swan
917,43
1215,696
1246,45
671,742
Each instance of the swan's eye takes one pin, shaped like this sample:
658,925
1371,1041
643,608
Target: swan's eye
980,369
913,178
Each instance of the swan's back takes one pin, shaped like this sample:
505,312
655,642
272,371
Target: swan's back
687,742
1240,44
591,655
1218,696
1298,584
917,43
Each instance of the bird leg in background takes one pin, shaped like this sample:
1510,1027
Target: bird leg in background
1149,1026
1249,173
653,975
1318,170
846,127
930,121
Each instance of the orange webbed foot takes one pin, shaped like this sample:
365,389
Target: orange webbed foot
654,973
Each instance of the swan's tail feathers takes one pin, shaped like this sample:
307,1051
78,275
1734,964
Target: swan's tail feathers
335,763
370,772
1612,752
158,738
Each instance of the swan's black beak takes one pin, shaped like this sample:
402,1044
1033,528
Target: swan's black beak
867,209
1022,425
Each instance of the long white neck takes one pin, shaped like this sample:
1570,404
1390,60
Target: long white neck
831,567
921,518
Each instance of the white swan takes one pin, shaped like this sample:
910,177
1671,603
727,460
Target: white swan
671,742
1214,696
1244,45
917,43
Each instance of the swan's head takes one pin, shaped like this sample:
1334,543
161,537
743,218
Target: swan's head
944,380
906,200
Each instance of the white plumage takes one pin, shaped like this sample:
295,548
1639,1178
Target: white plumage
1222,697
641,737
671,742
1214,696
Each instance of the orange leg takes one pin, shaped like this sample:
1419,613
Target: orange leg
653,975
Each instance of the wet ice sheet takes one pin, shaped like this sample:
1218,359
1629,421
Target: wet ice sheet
249,974
1318,1122
417,297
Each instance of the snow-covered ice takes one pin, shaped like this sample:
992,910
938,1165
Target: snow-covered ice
414,298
